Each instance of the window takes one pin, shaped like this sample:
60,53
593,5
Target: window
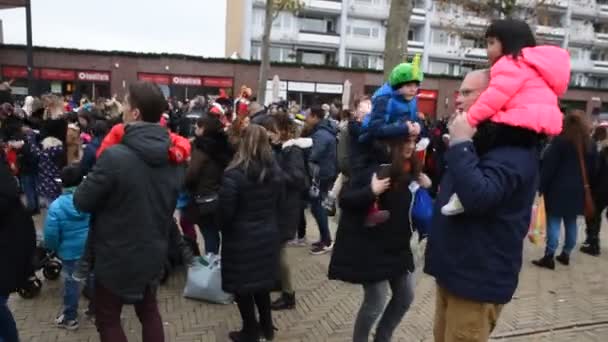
575,53
313,58
441,37
255,52
313,25
363,30
359,61
439,68
275,54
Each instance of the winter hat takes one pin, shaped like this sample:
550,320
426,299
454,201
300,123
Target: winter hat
71,176
406,73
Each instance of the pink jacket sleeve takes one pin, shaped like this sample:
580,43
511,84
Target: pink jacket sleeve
505,81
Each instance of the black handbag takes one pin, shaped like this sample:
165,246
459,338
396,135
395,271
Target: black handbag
206,204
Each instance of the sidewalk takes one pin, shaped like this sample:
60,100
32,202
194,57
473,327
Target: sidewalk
569,304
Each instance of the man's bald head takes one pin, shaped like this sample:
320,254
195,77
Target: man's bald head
474,83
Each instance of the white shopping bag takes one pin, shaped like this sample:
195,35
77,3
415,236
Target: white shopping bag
205,281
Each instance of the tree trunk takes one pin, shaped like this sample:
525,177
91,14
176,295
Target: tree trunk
265,58
395,48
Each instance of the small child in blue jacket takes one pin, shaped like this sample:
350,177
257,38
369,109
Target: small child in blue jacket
65,232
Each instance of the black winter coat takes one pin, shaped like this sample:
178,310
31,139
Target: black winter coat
17,234
290,157
561,180
250,235
132,192
371,254
210,156
599,182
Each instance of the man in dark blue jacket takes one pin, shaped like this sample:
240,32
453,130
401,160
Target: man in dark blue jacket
476,257
323,165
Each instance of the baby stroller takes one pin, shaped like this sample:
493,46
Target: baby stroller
46,261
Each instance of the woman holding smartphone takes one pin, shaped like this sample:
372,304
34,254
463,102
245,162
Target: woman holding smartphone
378,256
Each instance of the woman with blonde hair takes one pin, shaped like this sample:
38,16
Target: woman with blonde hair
249,202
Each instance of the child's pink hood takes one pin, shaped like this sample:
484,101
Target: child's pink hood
544,59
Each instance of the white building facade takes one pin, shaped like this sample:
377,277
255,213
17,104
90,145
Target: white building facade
351,33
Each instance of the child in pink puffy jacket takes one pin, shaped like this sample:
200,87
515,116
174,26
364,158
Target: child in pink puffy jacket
525,83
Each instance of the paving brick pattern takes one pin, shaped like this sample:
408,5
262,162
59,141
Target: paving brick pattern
570,304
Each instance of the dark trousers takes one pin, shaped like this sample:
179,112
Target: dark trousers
247,304
594,224
211,234
8,328
28,184
302,225
108,307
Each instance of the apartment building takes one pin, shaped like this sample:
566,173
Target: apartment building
351,33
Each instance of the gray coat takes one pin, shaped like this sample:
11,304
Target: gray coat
131,192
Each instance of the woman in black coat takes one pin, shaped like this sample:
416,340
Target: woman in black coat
289,153
562,185
17,243
249,207
380,255
211,153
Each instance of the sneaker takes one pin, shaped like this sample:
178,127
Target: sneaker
297,242
454,207
63,323
321,249
316,244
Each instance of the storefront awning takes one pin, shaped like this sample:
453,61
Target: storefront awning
6,4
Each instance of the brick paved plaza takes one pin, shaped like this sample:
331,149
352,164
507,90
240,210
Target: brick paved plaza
569,304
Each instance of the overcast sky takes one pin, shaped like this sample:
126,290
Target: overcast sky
193,27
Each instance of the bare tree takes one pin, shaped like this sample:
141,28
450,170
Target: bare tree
395,42
273,9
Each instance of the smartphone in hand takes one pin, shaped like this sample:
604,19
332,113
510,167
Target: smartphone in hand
384,171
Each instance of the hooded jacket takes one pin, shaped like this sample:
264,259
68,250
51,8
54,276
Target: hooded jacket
210,156
390,112
132,192
324,150
524,92
65,228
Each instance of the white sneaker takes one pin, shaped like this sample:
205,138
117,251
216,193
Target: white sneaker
63,323
453,207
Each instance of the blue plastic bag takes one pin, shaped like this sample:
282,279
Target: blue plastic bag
422,212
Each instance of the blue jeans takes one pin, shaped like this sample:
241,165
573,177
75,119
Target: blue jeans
554,224
320,214
71,290
28,184
211,234
8,328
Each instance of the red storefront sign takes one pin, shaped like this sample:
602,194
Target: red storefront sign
57,74
154,78
94,76
187,81
14,72
217,82
427,94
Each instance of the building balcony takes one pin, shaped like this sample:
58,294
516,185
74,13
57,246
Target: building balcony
323,6
581,65
601,39
584,8
475,53
445,52
550,32
368,11
414,46
602,11
600,66
276,35
582,36
418,16
318,38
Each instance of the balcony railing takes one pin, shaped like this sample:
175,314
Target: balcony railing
323,5
603,10
584,7
318,38
582,35
418,15
370,11
475,53
550,31
602,65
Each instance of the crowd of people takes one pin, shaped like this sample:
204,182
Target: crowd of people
114,176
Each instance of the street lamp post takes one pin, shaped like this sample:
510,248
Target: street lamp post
29,49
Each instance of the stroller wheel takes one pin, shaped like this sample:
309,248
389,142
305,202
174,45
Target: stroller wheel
52,270
31,289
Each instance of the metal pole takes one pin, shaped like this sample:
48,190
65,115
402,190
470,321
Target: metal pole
29,49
